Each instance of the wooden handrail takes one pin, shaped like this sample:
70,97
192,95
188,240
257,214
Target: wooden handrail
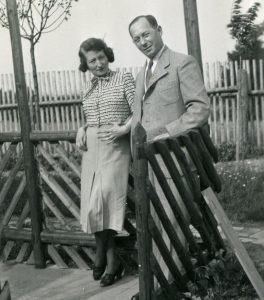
40,136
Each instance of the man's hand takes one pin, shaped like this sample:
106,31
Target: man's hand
161,136
111,134
81,139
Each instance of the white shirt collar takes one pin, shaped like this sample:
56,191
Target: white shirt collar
157,56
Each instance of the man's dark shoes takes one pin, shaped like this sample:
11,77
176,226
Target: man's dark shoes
109,279
98,272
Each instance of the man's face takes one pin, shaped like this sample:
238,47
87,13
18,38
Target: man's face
147,39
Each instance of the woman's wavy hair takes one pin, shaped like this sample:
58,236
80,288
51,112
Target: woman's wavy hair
93,44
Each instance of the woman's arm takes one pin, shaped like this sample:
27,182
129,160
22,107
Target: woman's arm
81,137
127,124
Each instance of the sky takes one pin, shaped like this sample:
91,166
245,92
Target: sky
109,19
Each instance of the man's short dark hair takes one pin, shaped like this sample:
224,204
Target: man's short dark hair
93,44
151,19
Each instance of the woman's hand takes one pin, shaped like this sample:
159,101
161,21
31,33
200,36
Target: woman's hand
114,132
81,139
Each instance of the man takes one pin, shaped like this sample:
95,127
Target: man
174,98
170,98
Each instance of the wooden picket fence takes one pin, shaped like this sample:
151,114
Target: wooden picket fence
222,87
60,100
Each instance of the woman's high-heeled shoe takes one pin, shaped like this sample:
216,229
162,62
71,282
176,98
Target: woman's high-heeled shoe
98,272
109,279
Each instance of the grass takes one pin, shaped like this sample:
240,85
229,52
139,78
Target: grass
242,190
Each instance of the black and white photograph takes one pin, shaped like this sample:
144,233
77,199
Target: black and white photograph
132,149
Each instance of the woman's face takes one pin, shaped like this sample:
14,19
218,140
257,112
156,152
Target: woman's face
97,62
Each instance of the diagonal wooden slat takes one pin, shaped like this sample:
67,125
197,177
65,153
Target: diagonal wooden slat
194,186
5,293
22,252
195,156
212,225
208,143
56,257
180,280
7,250
169,291
208,218
58,190
59,170
31,260
23,216
129,227
186,195
10,179
50,204
12,206
70,250
206,160
171,198
172,234
14,201
70,162
90,253
234,241
5,159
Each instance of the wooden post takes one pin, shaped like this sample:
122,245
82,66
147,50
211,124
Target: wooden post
192,30
5,291
140,168
242,112
28,148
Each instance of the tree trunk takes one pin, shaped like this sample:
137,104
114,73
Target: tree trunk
36,99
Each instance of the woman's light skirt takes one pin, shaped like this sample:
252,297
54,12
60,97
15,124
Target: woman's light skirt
104,182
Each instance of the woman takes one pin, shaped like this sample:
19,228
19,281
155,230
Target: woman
107,105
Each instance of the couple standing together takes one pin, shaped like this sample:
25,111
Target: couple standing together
168,98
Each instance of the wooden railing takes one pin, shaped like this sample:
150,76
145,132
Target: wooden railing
181,196
162,157
59,182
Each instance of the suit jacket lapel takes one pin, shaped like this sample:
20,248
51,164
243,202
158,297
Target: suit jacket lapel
160,71
161,68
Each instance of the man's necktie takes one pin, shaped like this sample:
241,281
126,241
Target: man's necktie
149,72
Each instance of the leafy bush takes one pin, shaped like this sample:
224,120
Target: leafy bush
222,278
227,151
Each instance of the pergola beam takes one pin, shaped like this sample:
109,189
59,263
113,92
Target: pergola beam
192,30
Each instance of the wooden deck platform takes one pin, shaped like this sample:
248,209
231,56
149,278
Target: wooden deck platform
28,283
